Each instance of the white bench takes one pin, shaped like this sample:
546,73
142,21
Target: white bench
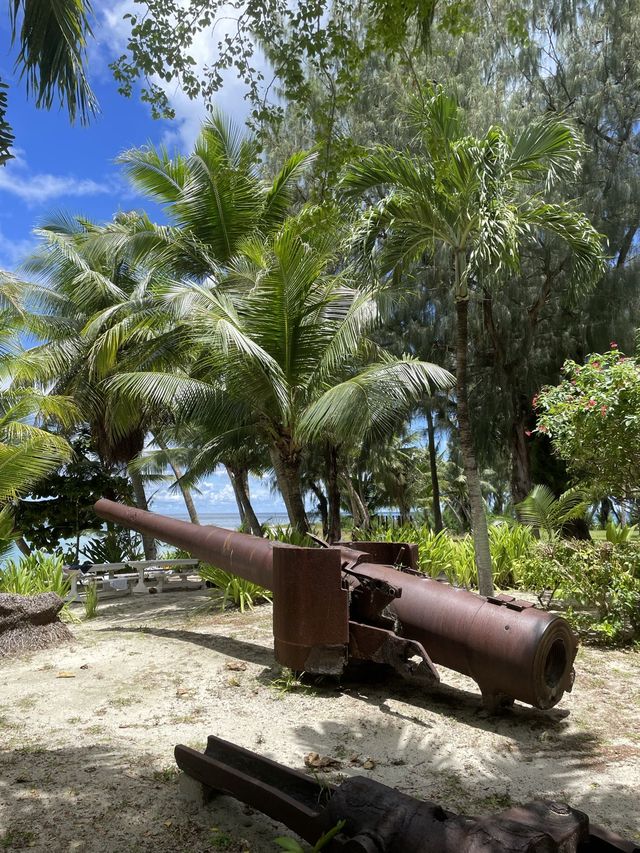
167,575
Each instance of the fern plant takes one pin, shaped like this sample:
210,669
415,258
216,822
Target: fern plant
543,511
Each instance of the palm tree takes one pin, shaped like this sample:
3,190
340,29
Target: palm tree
52,39
214,198
272,341
27,452
84,304
476,199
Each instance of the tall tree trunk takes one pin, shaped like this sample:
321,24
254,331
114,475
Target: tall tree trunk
185,490
323,506
239,478
237,493
334,530
286,463
359,511
479,530
520,467
22,546
252,519
433,465
148,542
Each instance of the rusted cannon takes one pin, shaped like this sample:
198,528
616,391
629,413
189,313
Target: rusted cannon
342,605
378,819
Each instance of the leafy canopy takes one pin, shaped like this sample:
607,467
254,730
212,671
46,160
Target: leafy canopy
593,419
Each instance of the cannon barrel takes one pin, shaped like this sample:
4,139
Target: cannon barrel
366,604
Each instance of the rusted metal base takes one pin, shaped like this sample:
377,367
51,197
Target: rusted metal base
379,819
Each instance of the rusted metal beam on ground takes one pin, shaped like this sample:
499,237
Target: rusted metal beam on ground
379,819
366,602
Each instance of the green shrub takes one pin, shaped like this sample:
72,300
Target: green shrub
244,594
91,601
443,554
39,572
599,581
619,533
288,534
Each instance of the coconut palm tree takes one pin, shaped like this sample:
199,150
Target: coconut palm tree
84,300
215,198
477,200
51,38
27,452
280,345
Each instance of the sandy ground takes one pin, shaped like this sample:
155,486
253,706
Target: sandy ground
86,761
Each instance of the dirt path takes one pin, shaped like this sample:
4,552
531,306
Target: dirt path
86,761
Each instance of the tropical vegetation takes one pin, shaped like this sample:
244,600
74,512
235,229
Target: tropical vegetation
403,295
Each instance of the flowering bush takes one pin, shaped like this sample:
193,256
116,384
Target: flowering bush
593,420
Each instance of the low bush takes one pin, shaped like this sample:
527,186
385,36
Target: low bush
244,594
39,572
442,554
599,582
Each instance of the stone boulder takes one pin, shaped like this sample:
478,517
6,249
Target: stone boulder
30,622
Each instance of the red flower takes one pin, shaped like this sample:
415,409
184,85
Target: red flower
613,345
596,364
542,428
534,402
591,402
603,410
527,432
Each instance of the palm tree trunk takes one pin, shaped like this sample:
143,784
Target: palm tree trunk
239,478
252,519
286,464
360,513
479,530
334,529
185,490
237,493
148,542
433,465
323,506
22,546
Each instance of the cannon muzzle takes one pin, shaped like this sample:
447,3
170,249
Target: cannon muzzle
366,604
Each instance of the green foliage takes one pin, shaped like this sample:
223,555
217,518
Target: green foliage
243,593
39,572
51,38
293,846
288,534
116,546
287,682
442,554
593,419
91,601
543,511
61,505
336,38
618,534
600,582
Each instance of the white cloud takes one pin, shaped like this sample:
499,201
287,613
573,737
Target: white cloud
13,251
34,188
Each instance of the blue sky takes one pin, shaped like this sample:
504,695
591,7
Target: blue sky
72,168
